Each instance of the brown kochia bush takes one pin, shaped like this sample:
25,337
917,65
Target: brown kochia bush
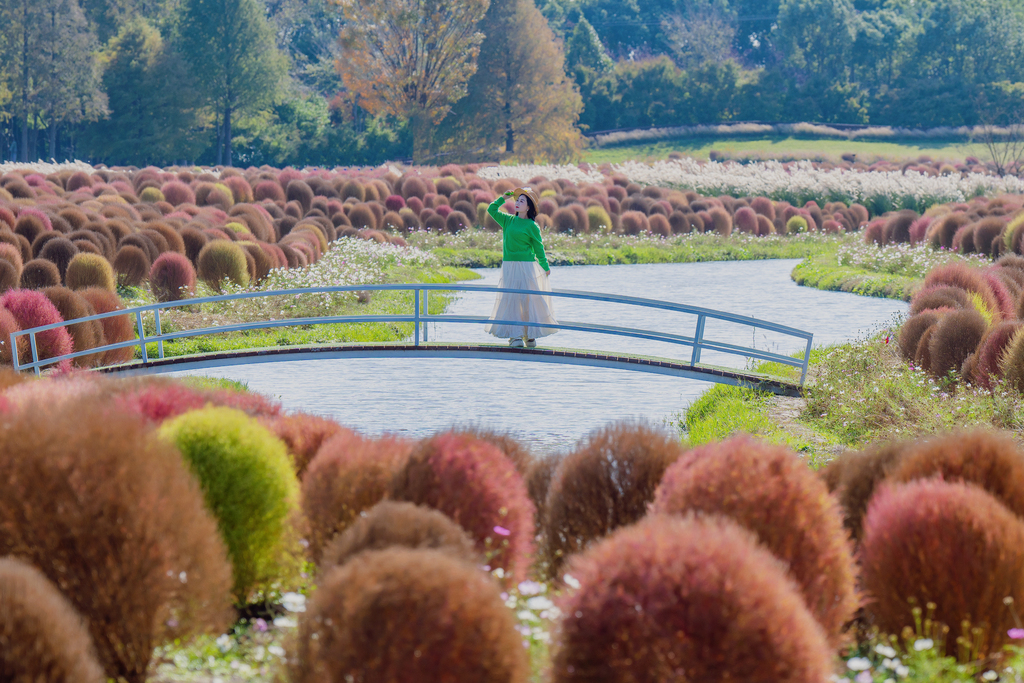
965,277
1012,362
472,482
991,351
771,491
131,265
854,475
86,335
43,638
399,615
303,434
116,329
694,599
114,518
389,524
951,544
912,330
942,296
984,458
607,482
349,474
953,339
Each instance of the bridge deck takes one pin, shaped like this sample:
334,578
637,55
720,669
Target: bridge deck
662,366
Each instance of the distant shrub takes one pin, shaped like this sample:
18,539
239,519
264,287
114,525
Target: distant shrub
303,434
897,228
991,351
564,220
472,482
261,261
635,223
660,225
348,475
177,192
360,216
222,260
299,191
963,240
116,329
151,195
194,241
268,190
964,277
44,637
796,225
12,254
939,296
746,220
606,482
388,524
59,252
945,228
916,537
119,526
39,273
911,331
693,595
721,220
172,277
249,486
30,226
854,476
954,337
89,270
31,308
408,615
764,207
131,265
512,448
10,276
241,191
84,335
985,231
741,479
394,203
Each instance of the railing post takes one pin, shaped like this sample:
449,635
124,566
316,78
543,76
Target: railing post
698,337
416,317
160,342
35,351
14,354
807,360
142,337
426,311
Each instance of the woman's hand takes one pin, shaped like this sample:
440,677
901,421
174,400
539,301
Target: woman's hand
508,193
547,272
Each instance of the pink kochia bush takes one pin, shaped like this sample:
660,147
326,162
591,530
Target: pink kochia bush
473,482
771,491
31,308
685,599
951,544
172,277
160,399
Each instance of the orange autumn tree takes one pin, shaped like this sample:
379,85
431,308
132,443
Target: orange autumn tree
410,58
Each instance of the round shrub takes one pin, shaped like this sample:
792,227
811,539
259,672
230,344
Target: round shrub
635,223
31,308
693,599
194,241
743,479
564,220
388,524
131,265
965,277
348,475
151,195
854,475
268,190
1011,364
457,222
299,191
89,270
143,242
746,220
606,482
985,232
897,228
939,296
953,339
303,434
660,225
408,615
39,273
261,261
796,225
722,221
222,260
394,203
30,226
40,241
177,192
963,240
361,216
512,448
12,254
911,331
118,526
116,329
10,276
59,252
172,277
916,539
84,335
472,482
991,351
241,191
44,638
249,486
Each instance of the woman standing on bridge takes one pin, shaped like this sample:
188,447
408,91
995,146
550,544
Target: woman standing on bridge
523,266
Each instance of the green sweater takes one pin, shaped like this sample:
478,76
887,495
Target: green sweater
520,237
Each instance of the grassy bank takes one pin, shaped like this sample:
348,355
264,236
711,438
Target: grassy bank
783,148
482,249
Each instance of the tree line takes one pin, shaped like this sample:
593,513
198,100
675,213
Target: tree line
347,82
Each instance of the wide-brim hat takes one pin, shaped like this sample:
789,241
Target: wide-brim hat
529,192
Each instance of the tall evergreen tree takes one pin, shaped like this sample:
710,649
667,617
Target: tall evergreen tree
519,100
584,51
229,46
411,58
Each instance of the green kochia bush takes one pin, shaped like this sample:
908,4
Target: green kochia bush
249,486
685,599
222,260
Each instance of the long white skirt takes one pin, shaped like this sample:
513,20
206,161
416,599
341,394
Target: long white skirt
531,308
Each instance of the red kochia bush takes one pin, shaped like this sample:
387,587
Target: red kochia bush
694,599
964,277
472,482
951,544
303,434
389,524
607,482
43,638
771,491
399,615
172,277
115,519
31,308
349,474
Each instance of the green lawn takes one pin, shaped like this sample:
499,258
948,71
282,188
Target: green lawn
784,148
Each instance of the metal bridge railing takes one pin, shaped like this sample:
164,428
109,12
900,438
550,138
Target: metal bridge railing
420,316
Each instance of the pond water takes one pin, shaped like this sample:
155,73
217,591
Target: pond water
551,406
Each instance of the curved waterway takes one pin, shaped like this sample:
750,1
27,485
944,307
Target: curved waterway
551,406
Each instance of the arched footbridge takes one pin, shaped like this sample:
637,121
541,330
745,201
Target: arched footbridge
688,345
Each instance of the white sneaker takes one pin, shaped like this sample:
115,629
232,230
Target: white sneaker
531,343
516,342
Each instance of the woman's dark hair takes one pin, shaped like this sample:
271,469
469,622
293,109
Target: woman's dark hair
531,210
